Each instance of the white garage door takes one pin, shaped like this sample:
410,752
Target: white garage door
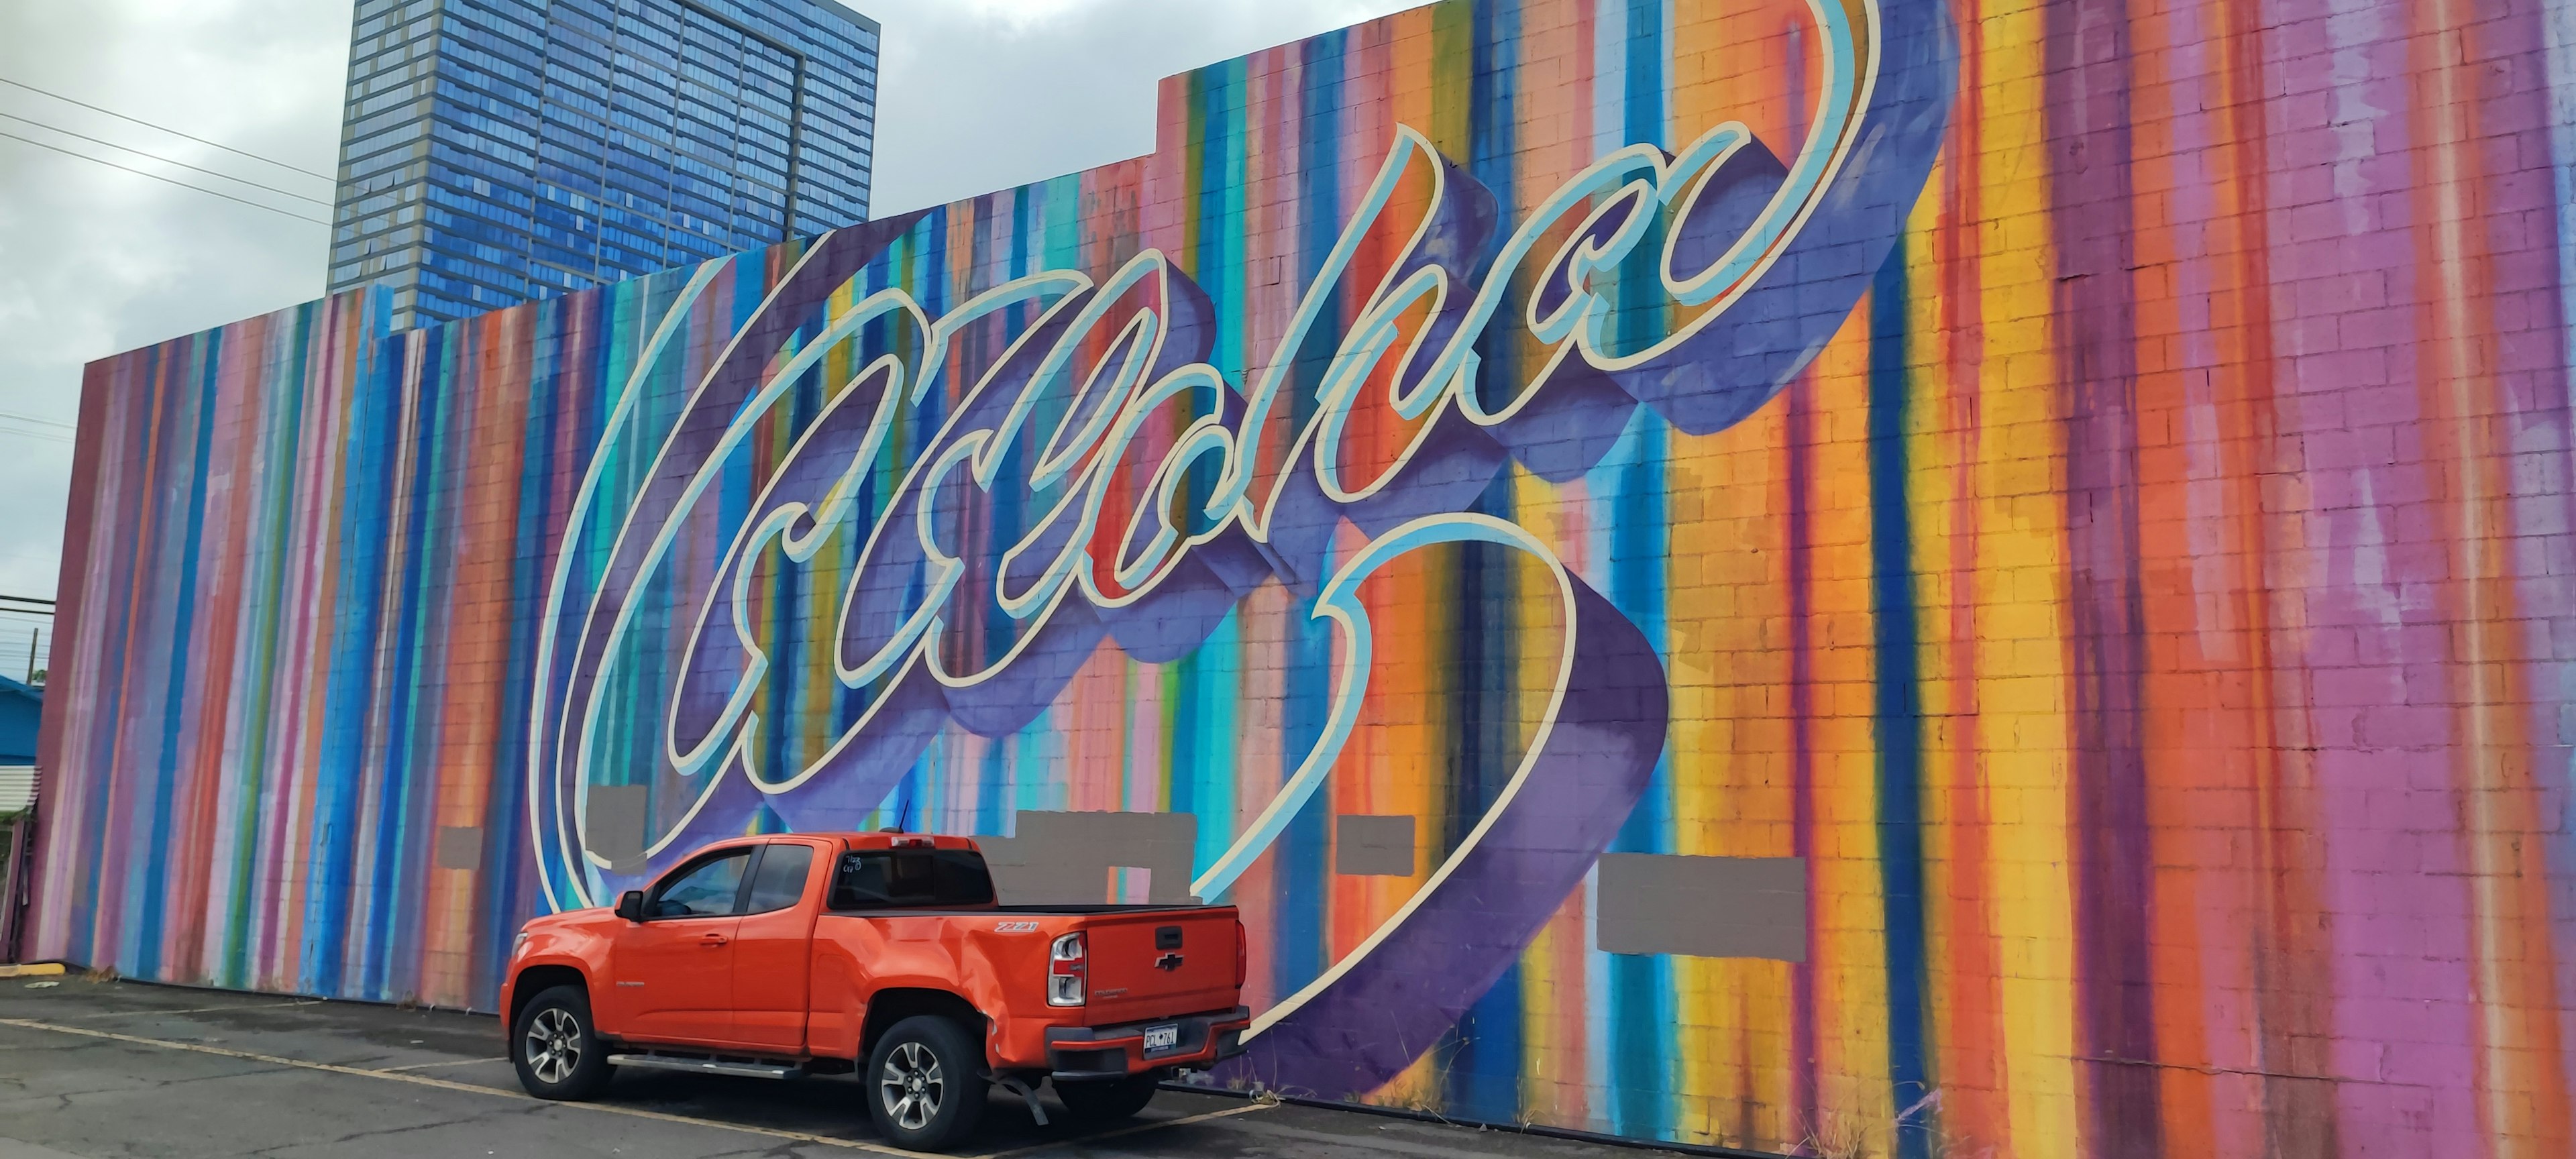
17,788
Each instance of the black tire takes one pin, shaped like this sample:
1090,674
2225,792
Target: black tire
925,1084
1109,1100
556,1046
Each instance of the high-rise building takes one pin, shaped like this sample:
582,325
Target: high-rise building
495,151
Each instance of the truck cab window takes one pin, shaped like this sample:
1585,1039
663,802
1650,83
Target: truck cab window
911,879
708,889
780,880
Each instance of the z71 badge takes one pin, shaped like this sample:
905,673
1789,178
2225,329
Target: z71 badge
1016,928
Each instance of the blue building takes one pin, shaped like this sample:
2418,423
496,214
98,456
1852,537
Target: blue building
22,712
495,151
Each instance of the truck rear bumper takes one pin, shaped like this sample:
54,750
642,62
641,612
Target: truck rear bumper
1080,1053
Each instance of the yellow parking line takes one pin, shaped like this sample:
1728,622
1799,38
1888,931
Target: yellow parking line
435,1065
444,1084
194,1010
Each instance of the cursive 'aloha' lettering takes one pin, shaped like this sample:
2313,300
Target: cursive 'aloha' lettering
1099,479
1135,493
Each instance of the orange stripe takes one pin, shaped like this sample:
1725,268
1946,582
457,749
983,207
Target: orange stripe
1965,960
2190,733
2522,1079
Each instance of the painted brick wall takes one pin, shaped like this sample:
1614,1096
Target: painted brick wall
1972,578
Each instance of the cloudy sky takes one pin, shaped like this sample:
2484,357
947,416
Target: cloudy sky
976,95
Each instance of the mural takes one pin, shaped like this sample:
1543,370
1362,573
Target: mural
1865,577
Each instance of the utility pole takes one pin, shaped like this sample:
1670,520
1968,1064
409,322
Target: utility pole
29,606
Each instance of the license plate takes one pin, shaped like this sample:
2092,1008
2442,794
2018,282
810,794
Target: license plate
1162,1037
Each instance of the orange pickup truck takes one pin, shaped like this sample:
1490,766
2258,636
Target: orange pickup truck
884,954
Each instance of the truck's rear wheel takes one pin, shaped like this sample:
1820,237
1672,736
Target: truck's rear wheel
1104,1101
556,1049
925,1084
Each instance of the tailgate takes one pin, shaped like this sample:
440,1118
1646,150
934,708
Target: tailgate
1154,963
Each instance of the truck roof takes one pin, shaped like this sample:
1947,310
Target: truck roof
880,842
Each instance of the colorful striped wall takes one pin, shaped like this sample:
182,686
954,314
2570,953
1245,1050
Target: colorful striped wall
2073,495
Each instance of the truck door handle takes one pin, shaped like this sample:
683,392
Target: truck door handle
711,939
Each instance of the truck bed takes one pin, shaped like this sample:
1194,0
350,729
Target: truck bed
1039,911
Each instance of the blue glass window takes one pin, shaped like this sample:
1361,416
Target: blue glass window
495,149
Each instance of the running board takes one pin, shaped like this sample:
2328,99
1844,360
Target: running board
699,1064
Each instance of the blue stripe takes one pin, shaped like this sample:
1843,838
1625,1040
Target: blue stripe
1299,947
144,938
1483,1075
1300,950
403,728
323,947
1641,987
1899,708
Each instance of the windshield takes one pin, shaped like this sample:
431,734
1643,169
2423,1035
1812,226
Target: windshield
912,879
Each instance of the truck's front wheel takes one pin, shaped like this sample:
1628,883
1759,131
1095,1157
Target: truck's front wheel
556,1049
925,1084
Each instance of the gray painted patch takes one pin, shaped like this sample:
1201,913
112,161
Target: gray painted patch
614,828
1065,858
1704,907
460,846
1372,846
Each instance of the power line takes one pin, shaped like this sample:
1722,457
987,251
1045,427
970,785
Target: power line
157,177
165,128
162,159
38,435
15,417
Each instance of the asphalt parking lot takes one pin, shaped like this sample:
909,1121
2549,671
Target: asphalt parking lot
96,1070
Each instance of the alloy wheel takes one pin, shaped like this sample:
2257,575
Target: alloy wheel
912,1086
554,1045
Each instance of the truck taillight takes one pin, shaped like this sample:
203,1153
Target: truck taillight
1068,967
1242,954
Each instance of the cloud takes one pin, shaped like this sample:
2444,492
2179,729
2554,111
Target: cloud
979,95
975,95
93,261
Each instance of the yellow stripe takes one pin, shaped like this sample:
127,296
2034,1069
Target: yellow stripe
1733,790
1844,873
2022,731
1553,1075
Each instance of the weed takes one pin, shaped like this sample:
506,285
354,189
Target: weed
1843,1134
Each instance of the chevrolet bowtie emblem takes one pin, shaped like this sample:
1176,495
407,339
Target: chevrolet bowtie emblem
1168,962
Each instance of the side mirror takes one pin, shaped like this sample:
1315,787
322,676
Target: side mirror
630,905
